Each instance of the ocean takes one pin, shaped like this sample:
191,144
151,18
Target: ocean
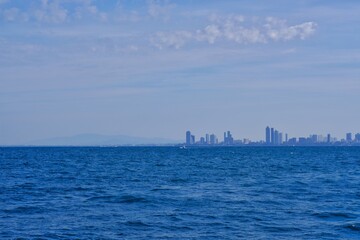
174,193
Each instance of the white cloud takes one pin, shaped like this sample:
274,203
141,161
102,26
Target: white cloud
233,18
175,39
236,29
210,34
157,8
279,30
87,8
54,11
132,16
51,12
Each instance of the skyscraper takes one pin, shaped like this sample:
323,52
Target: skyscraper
272,136
213,139
357,137
328,140
188,138
348,137
276,137
192,139
314,138
267,135
228,139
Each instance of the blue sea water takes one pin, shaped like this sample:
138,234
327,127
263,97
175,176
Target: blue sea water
173,193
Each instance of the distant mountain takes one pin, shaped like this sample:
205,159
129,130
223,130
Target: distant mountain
100,140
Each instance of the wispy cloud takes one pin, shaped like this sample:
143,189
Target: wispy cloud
279,30
55,11
87,8
237,29
171,39
50,12
160,8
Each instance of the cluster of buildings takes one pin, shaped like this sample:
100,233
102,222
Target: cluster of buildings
209,139
212,139
273,137
329,140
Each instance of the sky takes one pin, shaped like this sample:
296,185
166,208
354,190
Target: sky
157,68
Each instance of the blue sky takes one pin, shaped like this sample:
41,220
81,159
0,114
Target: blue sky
159,68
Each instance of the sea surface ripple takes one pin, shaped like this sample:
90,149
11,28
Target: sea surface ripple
173,193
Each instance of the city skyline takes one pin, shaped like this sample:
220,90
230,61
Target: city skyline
156,68
273,137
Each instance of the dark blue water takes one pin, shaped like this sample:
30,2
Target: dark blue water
172,193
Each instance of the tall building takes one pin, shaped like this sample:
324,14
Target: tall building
213,139
267,136
357,137
272,137
314,138
192,139
328,139
280,139
348,137
207,139
276,137
286,137
228,139
188,138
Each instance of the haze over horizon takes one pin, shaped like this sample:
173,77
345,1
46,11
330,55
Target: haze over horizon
157,68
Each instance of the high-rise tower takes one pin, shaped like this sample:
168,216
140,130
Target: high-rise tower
188,138
272,137
276,137
348,137
267,135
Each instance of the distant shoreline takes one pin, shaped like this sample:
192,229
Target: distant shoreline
170,146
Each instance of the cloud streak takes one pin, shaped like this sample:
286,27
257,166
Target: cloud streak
236,29
55,11
157,8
